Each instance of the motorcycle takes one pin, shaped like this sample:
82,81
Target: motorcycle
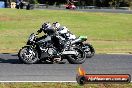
87,47
51,48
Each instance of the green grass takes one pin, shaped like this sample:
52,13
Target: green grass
62,85
107,32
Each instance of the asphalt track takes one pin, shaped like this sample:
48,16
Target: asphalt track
12,70
107,10
91,10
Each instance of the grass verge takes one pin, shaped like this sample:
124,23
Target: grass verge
62,85
107,32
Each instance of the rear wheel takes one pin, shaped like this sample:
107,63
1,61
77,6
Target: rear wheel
28,55
89,50
79,58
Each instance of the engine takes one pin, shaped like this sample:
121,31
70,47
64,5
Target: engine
52,52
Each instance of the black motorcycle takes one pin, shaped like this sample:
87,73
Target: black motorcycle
51,48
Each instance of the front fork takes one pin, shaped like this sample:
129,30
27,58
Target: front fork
30,51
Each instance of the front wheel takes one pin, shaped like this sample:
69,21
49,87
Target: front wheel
28,55
79,58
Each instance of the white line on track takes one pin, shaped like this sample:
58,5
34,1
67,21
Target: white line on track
41,81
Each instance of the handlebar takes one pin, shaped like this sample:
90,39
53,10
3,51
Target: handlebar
39,31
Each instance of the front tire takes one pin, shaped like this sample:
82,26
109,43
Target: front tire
28,55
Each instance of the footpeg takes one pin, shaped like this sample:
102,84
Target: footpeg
57,59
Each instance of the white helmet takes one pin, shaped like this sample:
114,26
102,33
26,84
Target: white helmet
56,25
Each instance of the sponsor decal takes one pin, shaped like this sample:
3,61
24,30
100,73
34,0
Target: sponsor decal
82,77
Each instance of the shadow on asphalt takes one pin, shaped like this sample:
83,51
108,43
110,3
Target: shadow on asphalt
13,59
9,58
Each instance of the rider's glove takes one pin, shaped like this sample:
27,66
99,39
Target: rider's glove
39,31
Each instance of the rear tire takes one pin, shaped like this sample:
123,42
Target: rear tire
91,51
77,59
25,56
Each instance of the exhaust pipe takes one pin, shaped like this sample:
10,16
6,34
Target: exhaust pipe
69,52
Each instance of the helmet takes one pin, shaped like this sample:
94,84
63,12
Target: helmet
56,25
46,25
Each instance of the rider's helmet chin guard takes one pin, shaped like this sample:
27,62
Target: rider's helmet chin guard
56,25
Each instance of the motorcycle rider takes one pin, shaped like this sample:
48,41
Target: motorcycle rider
63,31
46,28
50,30
55,27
